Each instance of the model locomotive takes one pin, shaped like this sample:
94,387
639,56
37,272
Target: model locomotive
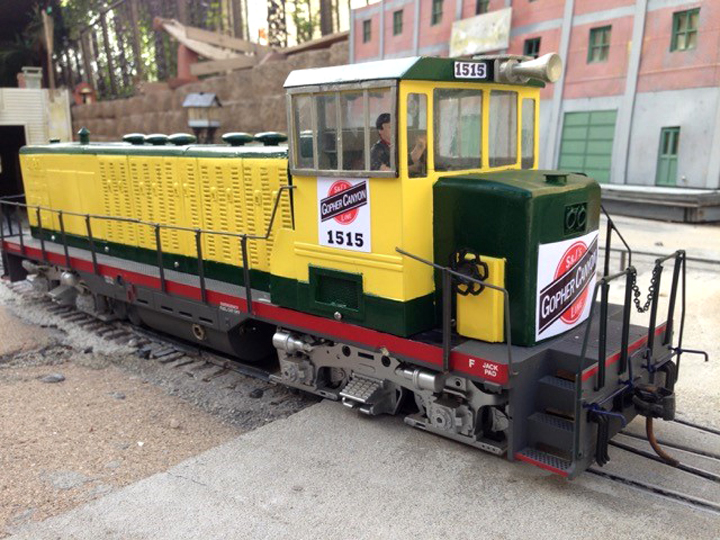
403,254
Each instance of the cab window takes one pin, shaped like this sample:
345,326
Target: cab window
303,135
352,112
457,128
345,131
416,135
528,133
503,128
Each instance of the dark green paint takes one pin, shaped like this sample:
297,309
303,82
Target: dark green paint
508,214
188,265
399,318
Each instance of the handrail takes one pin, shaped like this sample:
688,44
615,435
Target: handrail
157,227
447,304
625,364
162,225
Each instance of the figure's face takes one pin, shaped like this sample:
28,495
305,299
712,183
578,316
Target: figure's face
386,132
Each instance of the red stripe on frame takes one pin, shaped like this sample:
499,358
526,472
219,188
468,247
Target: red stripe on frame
540,464
592,370
430,354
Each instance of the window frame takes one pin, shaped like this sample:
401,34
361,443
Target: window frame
397,22
482,7
436,12
338,89
535,40
687,32
436,156
603,47
367,30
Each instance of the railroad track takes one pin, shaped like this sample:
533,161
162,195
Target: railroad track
628,442
194,361
206,366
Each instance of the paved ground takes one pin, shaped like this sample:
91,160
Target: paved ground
326,472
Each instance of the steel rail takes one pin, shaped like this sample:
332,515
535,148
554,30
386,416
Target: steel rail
664,492
675,446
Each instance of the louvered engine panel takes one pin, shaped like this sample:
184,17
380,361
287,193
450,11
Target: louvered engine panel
145,195
191,203
169,205
252,212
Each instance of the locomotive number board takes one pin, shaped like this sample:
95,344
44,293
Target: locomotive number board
480,71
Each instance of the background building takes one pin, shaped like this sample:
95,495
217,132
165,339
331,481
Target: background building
639,100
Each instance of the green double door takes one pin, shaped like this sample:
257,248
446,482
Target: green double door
586,144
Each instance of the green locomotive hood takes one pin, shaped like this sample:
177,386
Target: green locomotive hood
511,214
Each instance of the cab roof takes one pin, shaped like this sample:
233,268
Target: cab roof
412,68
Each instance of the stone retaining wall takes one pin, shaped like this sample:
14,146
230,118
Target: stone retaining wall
253,100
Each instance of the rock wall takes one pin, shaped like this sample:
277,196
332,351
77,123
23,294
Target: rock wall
253,100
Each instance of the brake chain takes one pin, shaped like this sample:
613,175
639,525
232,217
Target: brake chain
651,290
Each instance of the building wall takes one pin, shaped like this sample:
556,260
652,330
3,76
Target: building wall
656,110
661,69
648,85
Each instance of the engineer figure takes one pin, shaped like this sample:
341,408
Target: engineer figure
380,151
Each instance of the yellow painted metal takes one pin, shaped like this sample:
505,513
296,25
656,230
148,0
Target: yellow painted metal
483,316
401,213
221,194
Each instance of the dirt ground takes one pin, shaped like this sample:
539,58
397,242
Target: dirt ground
113,419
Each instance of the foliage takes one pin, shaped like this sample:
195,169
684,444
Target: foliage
24,50
304,22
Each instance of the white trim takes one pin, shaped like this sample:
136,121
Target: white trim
624,122
555,124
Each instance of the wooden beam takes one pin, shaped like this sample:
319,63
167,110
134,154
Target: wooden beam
222,40
217,66
319,43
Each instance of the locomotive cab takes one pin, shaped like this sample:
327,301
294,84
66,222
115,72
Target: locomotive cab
368,146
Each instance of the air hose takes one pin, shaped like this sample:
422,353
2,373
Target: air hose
655,446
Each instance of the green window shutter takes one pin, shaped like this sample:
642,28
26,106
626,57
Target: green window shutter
667,157
367,31
481,6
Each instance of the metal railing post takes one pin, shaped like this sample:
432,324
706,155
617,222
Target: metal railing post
2,227
42,236
446,318
161,268
91,242
608,239
657,272
627,309
673,297
21,237
201,265
64,239
246,273
602,345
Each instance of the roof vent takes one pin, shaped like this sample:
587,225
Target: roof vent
270,138
559,178
84,135
134,138
237,138
181,139
156,139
